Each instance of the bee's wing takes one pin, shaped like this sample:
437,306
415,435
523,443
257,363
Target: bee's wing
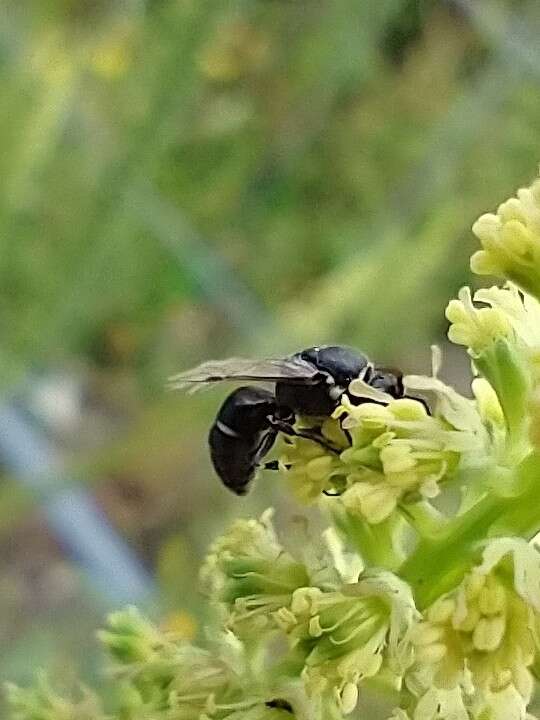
267,370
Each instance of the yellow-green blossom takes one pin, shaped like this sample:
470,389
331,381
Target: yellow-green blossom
478,424
311,469
482,636
507,314
130,638
503,339
511,240
398,453
489,407
345,636
523,313
441,704
476,328
521,310
458,704
506,704
249,572
384,455
43,703
161,674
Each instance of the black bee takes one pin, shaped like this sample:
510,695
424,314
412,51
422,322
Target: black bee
309,383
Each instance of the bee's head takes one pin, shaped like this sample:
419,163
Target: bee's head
340,363
388,380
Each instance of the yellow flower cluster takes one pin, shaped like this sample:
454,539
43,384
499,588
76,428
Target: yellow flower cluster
251,575
384,455
338,631
398,453
486,627
482,637
475,328
345,636
505,313
311,468
511,240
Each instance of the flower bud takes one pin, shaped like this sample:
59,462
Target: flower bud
42,703
500,339
251,575
130,638
476,329
511,241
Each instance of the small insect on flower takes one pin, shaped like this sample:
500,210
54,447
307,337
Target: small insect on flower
309,384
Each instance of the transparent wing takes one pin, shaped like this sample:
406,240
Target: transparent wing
267,370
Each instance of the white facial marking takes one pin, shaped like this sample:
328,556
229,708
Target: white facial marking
364,371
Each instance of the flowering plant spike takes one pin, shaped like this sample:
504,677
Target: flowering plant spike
426,585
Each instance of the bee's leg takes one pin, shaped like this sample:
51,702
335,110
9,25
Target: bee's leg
344,430
287,429
264,447
273,465
316,437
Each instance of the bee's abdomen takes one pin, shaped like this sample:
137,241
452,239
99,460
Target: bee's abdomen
241,436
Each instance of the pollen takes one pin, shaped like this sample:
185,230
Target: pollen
488,633
348,698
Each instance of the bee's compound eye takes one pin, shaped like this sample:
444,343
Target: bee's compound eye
388,380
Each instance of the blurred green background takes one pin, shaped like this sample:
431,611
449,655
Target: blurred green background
184,180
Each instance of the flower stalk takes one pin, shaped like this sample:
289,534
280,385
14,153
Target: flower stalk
438,564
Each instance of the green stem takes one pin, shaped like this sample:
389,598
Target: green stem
527,281
424,518
504,368
437,566
374,543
